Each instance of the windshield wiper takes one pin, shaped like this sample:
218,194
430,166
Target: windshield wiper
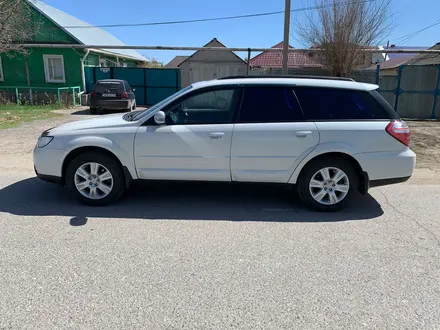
129,116
133,115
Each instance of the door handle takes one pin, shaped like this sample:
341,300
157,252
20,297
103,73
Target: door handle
302,134
217,135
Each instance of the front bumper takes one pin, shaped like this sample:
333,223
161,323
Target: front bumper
111,104
49,178
48,163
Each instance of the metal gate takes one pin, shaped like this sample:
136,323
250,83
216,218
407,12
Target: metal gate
151,85
414,92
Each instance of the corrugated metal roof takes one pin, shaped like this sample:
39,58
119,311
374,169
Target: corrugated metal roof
426,59
175,62
86,36
397,55
214,43
275,59
393,63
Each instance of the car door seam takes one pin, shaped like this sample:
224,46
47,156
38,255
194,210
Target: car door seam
230,152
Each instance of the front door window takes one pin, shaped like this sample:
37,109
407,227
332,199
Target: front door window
210,107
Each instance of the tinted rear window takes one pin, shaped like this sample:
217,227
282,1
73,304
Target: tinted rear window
107,87
339,104
269,105
385,104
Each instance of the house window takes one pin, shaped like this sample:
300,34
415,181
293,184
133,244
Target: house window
1,70
54,68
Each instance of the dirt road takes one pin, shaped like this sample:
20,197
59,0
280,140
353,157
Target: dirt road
425,142
17,144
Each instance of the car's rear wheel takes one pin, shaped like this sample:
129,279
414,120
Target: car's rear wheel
327,184
95,178
92,111
134,106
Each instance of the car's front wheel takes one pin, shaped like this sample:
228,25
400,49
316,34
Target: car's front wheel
95,178
327,184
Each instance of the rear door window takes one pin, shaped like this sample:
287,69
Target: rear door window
339,104
109,87
269,105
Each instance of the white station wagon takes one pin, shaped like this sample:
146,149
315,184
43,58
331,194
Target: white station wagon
328,137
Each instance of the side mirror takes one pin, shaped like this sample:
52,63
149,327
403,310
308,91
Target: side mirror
159,118
134,89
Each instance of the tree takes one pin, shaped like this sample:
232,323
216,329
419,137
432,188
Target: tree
341,31
16,25
153,63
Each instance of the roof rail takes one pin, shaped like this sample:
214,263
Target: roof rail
296,77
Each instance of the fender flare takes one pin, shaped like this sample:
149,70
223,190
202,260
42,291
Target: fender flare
322,149
103,143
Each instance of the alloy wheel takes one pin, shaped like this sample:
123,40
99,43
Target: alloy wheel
329,185
93,180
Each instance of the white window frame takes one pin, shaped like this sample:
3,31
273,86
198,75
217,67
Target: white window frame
2,77
46,58
102,62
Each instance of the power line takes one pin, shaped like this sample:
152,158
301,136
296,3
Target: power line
404,39
211,19
418,31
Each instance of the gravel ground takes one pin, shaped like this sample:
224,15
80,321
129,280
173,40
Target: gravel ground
425,141
198,256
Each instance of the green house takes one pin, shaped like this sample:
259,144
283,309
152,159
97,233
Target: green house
53,68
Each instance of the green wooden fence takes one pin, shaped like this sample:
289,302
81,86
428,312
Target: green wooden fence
41,95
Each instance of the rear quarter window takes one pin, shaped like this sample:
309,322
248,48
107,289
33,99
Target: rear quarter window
127,86
107,87
340,104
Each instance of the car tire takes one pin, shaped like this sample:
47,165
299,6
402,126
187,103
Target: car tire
134,106
92,111
327,184
103,184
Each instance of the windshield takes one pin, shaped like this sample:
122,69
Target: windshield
146,112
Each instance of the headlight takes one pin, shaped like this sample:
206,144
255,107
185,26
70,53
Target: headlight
44,141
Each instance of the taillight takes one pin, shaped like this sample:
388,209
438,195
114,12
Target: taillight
124,95
92,94
400,131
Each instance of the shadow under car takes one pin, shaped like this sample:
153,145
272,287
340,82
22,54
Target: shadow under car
181,201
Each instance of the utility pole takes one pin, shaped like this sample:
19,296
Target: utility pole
386,54
286,36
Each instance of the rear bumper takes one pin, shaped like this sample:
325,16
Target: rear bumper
386,182
365,184
387,165
385,168
111,104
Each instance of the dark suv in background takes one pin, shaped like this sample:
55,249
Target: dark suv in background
112,94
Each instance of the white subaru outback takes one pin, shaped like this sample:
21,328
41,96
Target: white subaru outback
329,137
